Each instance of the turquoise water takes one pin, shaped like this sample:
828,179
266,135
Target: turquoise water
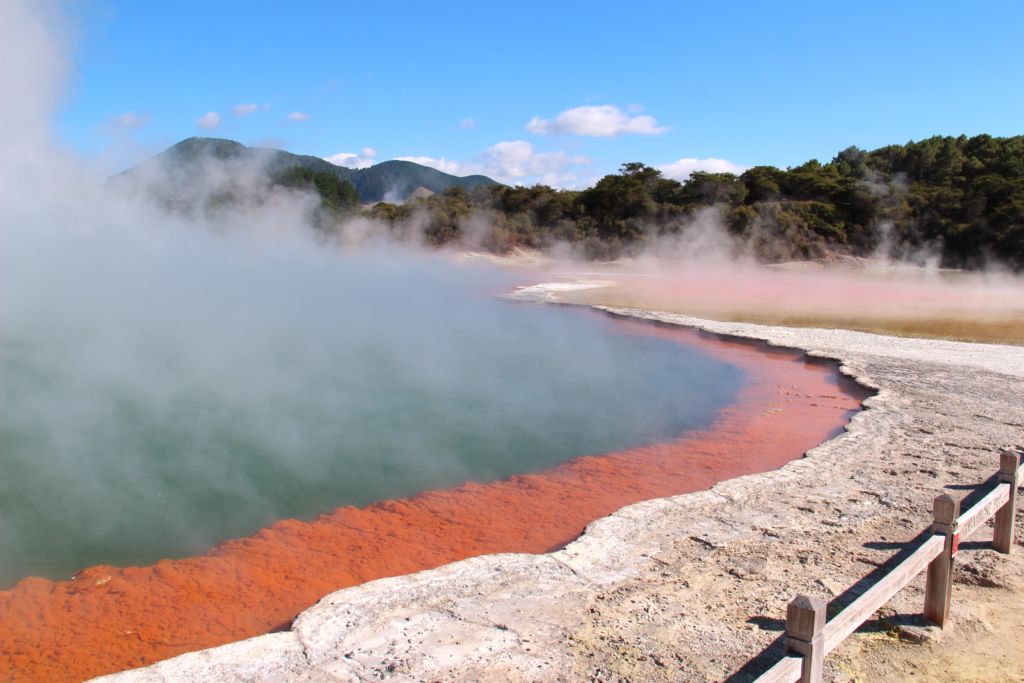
152,428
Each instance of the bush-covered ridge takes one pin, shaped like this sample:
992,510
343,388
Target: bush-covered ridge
386,180
960,199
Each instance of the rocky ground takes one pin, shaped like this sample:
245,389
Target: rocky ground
695,587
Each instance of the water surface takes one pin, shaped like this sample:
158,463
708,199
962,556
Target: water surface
149,426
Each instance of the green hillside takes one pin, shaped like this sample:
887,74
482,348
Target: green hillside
390,180
956,201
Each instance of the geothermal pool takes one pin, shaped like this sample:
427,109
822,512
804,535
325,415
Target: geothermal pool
342,421
100,468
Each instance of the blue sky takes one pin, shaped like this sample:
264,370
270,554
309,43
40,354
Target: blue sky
457,85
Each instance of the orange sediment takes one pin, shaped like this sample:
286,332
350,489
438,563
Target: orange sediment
108,619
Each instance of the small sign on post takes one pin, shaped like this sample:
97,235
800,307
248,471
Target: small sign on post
805,625
939,585
1009,464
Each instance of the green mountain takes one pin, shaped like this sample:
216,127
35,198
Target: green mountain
955,201
180,166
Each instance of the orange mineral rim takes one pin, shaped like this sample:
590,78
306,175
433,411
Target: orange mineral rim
108,619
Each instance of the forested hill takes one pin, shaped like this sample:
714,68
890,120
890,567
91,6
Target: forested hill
394,180
956,199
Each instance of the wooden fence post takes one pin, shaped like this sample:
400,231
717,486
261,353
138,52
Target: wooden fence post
1009,461
805,623
939,585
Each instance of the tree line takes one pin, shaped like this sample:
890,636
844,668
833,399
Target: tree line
960,199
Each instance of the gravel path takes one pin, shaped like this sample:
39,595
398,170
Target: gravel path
694,587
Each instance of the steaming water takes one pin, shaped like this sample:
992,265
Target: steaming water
155,409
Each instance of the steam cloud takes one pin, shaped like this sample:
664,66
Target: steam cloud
162,373
230,355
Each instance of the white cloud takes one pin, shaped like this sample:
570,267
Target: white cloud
209,121
131,119
681,170
600,121
441,164
363,159
298,116
249,108
518,159
468,122
512,161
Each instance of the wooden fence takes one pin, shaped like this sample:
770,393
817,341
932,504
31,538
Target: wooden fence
809,637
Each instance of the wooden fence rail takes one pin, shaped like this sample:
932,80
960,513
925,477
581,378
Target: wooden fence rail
809,637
